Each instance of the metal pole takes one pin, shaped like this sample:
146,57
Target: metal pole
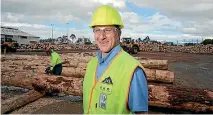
52,30
67,31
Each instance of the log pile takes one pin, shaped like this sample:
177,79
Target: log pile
28,72
42,46
147,47
74,65
180,98
198,49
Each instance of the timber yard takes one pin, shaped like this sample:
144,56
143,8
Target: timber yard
106,56
180,78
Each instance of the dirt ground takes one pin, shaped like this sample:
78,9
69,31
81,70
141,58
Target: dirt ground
191,70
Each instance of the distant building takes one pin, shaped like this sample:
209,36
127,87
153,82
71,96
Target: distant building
8,33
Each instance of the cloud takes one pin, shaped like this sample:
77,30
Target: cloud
201,7
130,17
156,23
200,29
162,21
55,10
180,9
116,4
173,19
39,11
187,12
37,26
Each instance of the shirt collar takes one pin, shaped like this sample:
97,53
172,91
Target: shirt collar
109,56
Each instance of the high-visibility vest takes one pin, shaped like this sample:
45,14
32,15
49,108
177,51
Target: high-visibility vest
109,94
55,59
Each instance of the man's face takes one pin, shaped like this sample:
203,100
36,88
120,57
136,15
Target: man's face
106,37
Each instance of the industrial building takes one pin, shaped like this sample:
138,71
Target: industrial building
14,34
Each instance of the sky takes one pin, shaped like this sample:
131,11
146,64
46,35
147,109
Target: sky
162,20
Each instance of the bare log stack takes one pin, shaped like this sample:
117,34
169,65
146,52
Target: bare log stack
180,98
198,49
147,47
75,66
28,72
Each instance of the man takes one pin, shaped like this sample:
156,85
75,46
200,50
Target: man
114,82
55,62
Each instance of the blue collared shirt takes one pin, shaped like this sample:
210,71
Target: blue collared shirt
138,95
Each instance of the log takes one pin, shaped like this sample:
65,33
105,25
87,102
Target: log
180,98
159,75
76,58
21,79
19,101
155,64
73,72
66,71
152,74
150,64
78,71
56,84
18,79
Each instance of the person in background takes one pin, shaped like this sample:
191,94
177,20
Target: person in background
55,62
114,82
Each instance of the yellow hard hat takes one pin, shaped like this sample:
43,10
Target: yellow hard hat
106,15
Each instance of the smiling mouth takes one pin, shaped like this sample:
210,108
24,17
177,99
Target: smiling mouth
104,43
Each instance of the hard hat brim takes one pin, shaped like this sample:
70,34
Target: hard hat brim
120,26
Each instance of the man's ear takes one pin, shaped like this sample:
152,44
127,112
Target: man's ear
119,33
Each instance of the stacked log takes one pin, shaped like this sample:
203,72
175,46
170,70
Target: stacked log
16,67
42,46
25,67
28,72
198,49
180,98
26,78
19,70
156,70
147,47
74,65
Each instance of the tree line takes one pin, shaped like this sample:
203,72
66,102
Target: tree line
63,38
207,41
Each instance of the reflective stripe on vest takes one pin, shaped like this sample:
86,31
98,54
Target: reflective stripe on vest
109,94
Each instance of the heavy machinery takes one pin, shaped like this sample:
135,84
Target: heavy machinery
83,41
9,44
129,45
